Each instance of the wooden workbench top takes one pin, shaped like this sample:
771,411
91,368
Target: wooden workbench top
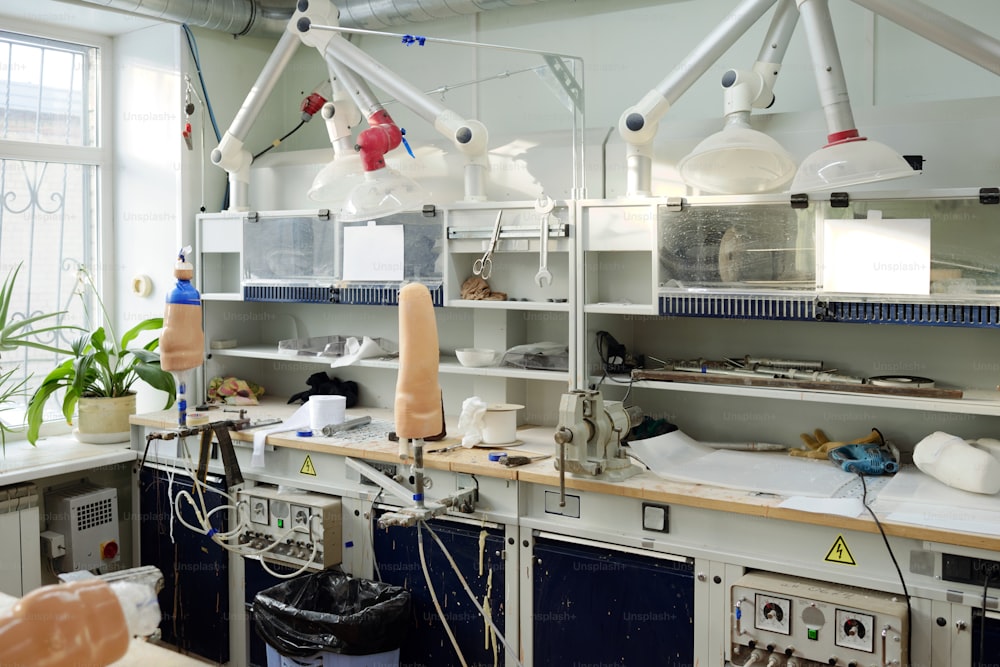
536,441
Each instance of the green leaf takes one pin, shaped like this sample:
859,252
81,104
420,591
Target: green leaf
146,325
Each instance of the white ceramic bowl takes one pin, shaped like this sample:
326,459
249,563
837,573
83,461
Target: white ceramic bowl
476,357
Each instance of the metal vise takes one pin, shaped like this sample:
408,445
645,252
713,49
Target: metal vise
589,435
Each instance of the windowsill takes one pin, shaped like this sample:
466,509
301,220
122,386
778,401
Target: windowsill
57,455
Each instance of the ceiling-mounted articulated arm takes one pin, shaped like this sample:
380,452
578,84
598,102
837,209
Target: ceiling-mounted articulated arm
468,136
939,28
230,154
754,89
818,24
739,159
341,114
639,123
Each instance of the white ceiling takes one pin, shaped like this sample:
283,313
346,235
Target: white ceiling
67,15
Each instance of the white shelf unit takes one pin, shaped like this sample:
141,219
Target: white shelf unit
257,326
959,357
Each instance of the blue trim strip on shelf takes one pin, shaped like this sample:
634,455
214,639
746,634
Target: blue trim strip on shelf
382,295
921,314
738,307
290,293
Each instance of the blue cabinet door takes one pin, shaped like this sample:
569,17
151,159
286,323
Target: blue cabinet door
600,606
427,644
195,596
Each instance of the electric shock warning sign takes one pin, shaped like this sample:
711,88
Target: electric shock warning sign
307,467
839,553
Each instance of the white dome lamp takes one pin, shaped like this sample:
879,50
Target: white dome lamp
848,158
739,159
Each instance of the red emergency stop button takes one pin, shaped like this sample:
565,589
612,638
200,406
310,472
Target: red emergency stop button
109,550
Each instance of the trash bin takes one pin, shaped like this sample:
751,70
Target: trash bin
331,619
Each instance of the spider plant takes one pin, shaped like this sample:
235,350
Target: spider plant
16,334
101,365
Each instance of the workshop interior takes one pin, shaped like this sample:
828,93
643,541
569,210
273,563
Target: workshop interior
527,333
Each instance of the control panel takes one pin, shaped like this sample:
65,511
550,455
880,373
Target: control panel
291,528
815,623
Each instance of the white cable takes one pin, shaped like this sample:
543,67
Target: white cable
302,569
371,534
430,587
510,649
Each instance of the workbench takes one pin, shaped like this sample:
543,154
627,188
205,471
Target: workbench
717,533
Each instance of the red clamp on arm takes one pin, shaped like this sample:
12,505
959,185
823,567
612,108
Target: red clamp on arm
382,136
843,137
311,105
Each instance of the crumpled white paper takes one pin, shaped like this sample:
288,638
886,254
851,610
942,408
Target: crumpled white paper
299,420
355,350
472,421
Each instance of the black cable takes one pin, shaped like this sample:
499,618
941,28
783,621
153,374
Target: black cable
982,619
899,571
278,142
602,336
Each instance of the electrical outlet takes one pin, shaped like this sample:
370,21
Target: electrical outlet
258,511
300,516
53,544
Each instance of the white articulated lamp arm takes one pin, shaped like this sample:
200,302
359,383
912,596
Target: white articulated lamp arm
468,136
639,123
230,154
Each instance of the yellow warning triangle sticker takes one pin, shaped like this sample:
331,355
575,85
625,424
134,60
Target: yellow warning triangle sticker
839,553
308,469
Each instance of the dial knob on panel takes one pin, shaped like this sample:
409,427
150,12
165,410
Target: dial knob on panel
854,630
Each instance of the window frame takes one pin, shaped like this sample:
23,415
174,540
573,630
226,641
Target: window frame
100,156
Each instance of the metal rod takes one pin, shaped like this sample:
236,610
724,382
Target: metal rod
418,472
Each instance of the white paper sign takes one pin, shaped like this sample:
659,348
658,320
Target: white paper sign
876,256
373,252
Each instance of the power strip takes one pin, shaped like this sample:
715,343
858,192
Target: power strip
299,523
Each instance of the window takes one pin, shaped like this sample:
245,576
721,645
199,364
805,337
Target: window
51,165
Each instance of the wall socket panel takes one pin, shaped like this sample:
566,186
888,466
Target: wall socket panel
300,522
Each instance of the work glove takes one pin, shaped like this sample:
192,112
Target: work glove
818,446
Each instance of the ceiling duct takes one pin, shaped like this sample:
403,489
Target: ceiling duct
263,18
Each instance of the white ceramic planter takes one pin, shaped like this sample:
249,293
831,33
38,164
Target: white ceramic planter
103,421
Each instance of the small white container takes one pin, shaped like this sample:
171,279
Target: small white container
475,357
500,423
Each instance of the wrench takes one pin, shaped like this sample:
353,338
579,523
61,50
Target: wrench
543,207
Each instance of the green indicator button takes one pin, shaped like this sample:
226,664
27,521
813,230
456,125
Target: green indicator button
281,524
812,633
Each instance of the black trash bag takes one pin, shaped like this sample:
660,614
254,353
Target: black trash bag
334,612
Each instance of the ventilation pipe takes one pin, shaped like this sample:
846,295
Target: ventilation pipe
252,17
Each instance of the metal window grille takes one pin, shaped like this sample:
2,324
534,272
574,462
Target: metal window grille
50,167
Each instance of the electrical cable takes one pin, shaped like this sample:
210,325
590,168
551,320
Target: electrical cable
193,47
603,336
434,599
982,619
371,534
511,652
899,571
277,142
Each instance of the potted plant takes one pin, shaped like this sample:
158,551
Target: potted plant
98,377
15,334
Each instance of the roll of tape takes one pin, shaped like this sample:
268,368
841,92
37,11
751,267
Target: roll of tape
912,381
142,285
